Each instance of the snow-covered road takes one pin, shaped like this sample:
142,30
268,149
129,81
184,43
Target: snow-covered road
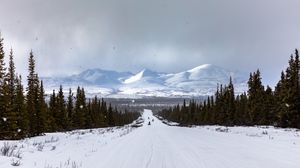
161,146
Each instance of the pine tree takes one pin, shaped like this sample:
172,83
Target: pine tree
95,115
3,115
231,110
88,121
41,113
11,113
52,113
269,113
289,93
61,117
32,101
23,119
111,121
103,110
256,98
79,118
280,100
70,108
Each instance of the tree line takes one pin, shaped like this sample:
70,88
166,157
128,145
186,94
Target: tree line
26,113
260,105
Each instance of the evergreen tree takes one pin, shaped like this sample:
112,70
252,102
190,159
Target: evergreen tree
231,110
111,121
41,113
103,109
256,98
88,122
52,113
79,117
280,100
3,114
32,95
288,94
269,113
23,119
61,117
70,108
11,113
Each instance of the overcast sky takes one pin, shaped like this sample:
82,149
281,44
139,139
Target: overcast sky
69,36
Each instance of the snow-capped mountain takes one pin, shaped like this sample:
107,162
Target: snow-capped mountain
201,80
145,75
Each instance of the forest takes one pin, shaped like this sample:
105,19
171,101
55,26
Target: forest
24,112
260,105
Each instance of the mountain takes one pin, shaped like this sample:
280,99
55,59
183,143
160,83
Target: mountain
204,76
94,77
102,77
145,75
199,81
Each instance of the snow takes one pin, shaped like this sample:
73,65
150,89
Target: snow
135,78
160,145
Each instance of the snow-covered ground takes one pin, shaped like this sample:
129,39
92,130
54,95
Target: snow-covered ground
159,145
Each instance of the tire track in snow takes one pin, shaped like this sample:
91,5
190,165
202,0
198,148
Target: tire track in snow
150,158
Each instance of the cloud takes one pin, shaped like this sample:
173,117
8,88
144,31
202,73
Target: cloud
165,35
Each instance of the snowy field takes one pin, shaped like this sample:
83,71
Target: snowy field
158,145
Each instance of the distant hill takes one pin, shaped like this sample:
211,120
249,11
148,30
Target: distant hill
199,81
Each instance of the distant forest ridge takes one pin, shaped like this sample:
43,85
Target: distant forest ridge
260,105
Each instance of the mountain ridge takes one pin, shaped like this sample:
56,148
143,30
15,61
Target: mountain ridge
199,81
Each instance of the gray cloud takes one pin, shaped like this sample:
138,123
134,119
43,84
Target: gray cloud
165,35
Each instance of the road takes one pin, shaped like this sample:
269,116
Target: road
161,146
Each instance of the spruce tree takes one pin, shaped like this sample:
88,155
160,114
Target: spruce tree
79,117
280,101
111,121
23,119
11,113
231,110
70,108
290,114
3,117
89,122
256,98
103,109
269,113
61,118
52,113
31,97
41,113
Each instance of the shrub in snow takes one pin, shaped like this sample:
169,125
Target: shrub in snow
15,162
53,148
66,164
52,140
40,147
136,125
220,129
5,150
10,150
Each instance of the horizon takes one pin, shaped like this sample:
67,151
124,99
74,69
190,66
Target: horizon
265,83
